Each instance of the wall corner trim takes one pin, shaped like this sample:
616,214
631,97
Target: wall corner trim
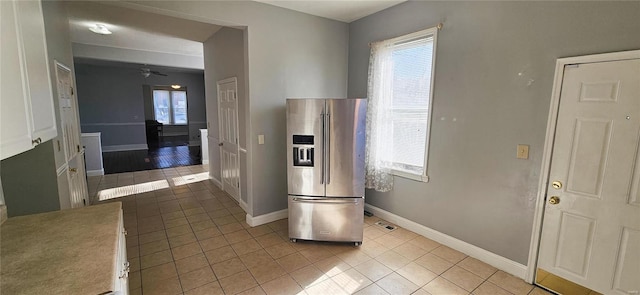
266,218
476,252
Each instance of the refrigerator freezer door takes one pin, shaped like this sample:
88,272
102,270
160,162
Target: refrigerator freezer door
326,219
305,119
345,127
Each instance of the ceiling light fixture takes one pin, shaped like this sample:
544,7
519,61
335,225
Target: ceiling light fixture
100,29
176,86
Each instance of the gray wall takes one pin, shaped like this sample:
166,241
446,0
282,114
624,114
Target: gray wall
225,58
478,191
111,101
29,180
58,49
290,54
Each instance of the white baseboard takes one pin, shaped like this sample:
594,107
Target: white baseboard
124,147
177,133
266,218
497,261
216,182
95,172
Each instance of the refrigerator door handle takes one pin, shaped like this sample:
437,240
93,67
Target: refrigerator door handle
328,201
328,149
323,147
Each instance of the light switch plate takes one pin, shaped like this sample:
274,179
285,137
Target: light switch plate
523,151
261,139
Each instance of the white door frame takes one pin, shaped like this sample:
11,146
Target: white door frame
548,145
229,80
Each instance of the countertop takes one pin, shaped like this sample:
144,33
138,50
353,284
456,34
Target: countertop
63,252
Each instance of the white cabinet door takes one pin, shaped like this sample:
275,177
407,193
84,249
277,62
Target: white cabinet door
28,116
36,64
15,127
121,282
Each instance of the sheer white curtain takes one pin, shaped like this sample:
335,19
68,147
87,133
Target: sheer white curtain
379,146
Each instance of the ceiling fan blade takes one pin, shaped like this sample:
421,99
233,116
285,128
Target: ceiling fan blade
158,73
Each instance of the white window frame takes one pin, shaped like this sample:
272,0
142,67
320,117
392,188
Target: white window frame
171,114
398,41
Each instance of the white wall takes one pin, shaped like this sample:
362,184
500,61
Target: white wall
478,191
137,56
290,54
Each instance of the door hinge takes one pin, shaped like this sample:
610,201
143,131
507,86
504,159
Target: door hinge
59,148
84,202
78,147
71,88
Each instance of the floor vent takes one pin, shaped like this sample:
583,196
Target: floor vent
386,226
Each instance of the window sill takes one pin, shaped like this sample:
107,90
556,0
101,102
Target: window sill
403,174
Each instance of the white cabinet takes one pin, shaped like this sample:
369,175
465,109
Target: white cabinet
26,104
121,277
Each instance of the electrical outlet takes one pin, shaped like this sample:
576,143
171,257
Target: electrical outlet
261,139
522,151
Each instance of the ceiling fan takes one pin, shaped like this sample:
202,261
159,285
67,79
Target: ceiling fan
146,72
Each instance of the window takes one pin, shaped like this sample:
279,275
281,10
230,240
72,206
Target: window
400,91
170,106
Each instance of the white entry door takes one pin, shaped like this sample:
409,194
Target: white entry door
591,227
228,122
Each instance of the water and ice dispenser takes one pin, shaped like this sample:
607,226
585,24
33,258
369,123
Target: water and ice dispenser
303,150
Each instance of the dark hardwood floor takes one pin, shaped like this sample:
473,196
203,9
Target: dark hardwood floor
168,152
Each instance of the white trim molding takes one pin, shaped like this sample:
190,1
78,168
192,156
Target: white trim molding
177,133
476,252
95,172
548,145
124,147
266,218
113,124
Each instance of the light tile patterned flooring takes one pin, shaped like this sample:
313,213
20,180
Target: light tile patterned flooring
191,238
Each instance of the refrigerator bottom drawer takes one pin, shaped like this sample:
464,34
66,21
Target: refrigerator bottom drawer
325,219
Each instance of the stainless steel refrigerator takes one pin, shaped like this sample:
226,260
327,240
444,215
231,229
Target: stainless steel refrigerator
325,169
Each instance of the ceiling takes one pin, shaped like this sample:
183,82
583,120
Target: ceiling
341,10
149,32
133,29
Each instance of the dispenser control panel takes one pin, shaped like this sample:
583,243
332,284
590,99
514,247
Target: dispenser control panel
303,150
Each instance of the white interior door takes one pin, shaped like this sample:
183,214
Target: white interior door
591,229
70,130
228,122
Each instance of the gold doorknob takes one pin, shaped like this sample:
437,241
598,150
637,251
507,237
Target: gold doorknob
556,184
73,169
221,144
554,200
